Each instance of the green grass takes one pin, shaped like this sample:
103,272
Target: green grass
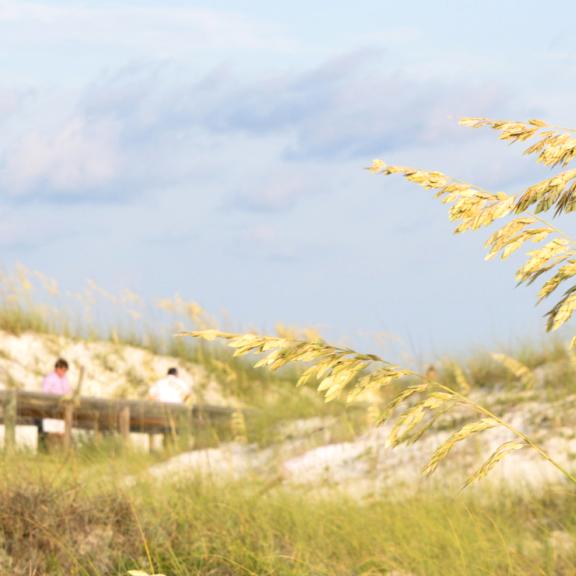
16,319
79,517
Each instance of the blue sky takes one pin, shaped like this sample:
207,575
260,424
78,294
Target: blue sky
216,149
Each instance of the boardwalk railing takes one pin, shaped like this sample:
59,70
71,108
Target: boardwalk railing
99,415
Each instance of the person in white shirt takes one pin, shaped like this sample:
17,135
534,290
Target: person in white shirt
170,389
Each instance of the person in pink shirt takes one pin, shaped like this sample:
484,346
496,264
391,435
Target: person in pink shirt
56,382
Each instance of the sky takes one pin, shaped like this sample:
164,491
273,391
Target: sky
217,150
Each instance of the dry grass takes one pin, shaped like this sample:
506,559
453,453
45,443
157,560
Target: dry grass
70,518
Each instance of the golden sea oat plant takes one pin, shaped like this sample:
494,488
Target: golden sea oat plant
418,400
517,369
414,407
472,208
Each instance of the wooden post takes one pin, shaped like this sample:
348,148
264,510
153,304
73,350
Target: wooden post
124,423
10,419
170,430
97,432
78,390
68,421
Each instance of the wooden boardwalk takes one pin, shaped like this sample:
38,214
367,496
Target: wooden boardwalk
101,415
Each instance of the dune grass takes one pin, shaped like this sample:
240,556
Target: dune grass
32,302
78,516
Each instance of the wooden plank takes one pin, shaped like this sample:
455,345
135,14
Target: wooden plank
124,423
103,414
10,406
68,423
96,426
78,390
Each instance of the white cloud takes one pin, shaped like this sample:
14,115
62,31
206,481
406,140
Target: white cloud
155,29
348,107
268,142
80,156
11,100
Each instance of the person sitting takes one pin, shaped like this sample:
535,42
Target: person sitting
56,382
51,430
169,389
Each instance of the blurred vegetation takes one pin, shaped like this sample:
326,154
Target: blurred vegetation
80,516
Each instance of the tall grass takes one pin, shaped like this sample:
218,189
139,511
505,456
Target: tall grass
30,301
67,517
